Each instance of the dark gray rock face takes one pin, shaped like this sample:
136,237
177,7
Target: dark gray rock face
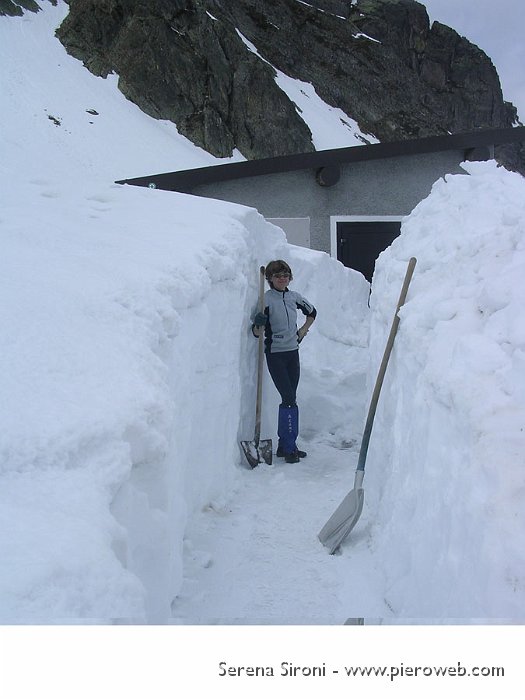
378,60
384,66
15,8
178,62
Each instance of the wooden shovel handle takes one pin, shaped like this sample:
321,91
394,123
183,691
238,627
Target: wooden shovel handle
382,369
260,358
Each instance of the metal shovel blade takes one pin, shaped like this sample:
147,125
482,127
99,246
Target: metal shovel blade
251,452
344,519
266,451
257,453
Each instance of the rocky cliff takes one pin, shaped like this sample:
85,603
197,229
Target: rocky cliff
380,61
14,8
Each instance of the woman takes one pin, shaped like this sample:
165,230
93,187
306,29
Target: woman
282,339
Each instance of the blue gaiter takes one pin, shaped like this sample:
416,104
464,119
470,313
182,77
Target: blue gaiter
288,427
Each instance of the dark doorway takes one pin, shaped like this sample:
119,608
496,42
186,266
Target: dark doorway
360,242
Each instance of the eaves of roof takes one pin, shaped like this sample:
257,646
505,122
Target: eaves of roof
187,180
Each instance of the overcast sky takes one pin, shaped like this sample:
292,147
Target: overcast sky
497,27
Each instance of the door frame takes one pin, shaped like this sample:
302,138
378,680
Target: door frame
334,220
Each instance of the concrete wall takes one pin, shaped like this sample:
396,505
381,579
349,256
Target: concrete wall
297,230
383,187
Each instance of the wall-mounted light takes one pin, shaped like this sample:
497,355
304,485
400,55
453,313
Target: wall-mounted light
328,176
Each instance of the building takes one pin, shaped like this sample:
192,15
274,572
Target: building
348,202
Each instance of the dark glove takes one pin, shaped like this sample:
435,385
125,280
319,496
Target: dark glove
260,319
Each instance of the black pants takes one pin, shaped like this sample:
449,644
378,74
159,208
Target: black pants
284,370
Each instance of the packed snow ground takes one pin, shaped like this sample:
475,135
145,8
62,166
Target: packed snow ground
128,372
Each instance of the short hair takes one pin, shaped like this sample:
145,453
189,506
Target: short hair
275,267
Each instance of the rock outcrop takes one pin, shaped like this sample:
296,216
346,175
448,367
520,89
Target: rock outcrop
209,66
15,8
178,61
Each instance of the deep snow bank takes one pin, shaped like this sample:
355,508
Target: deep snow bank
126,363
95,295
445,476
126,359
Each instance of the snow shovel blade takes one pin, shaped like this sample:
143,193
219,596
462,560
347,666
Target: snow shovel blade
344,519
257,453
251,452
266,450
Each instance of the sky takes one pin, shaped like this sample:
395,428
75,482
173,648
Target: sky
497,28
123,495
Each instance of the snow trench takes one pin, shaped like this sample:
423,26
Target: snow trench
130,379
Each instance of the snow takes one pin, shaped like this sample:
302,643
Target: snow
82,140
361,35
330,126
128,375
455,403
123,382
320,10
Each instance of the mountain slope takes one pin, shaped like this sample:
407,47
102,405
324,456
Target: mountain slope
380,63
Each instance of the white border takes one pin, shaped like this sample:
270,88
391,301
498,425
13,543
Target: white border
334,220
165,662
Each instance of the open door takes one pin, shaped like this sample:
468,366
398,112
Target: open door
359,243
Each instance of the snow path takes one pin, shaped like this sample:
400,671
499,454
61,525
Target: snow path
253,563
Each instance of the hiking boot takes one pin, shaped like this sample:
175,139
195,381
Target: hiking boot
292,457
281,453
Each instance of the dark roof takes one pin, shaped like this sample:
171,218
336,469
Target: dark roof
186,180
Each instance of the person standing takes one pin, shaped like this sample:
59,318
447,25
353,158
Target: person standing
282,339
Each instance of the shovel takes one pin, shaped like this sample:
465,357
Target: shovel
257,450
344,519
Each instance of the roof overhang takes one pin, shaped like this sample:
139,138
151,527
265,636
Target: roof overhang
187,180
